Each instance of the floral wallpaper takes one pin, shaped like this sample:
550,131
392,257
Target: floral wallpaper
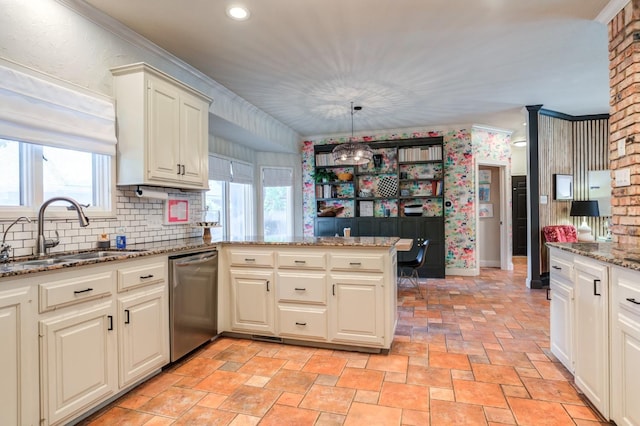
460,147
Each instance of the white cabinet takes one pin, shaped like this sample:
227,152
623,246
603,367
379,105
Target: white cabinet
562,306
18,356
252,300
625,346
78,361
357,309
102,329
592,331
162,129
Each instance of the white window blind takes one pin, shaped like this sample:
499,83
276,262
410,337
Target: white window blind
219,168
242,173
42,112
277,177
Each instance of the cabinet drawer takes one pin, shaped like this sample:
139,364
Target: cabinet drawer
251,258
75,290
561,267
359,262
299,287
302,261
303,322
627,293
138,276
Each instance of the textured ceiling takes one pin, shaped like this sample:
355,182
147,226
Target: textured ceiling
409,63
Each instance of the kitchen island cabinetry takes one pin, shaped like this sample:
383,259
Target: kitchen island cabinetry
562,307
328,293
162,129
18,356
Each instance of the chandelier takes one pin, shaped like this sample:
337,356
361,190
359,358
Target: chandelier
352,153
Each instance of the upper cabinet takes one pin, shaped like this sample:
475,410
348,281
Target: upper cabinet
163,128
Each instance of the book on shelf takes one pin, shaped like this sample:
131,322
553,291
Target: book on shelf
324,160
429,153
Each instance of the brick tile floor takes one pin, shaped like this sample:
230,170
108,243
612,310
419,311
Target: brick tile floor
476,352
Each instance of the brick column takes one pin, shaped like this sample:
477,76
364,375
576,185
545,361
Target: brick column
624,83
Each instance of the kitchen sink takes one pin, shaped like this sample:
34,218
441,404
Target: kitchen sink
44,262
97,254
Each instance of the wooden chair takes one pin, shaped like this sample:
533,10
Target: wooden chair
414,265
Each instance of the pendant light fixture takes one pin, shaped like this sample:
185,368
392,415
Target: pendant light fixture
352,153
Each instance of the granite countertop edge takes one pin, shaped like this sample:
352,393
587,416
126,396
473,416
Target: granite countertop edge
139,250
624,255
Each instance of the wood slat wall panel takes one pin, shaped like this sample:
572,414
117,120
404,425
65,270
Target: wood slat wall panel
573,148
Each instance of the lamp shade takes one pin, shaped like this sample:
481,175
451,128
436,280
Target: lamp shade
584,208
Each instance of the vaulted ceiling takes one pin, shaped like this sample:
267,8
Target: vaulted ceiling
409,63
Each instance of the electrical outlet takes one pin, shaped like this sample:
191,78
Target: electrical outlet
154,224
623,177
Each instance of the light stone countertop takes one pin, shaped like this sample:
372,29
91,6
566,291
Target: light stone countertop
15,268
625,255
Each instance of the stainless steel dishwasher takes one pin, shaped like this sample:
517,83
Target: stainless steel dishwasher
193,300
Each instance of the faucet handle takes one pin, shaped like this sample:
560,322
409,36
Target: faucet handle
72,207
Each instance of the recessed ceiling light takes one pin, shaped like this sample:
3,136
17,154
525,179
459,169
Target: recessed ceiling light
239,13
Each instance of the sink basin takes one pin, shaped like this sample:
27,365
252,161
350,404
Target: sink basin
44,262
97,254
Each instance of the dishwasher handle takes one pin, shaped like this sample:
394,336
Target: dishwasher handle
196,262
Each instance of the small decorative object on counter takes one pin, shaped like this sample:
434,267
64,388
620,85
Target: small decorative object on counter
103,241
121,238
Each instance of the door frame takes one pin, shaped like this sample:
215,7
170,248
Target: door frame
506,257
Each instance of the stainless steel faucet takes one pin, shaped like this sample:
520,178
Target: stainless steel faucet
44,244
6,248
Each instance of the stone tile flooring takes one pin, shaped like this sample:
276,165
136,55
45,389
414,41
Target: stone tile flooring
475,353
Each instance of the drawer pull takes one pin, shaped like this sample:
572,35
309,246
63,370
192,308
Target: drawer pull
300,261
300,289
557,267
146,277
267,285
83,291
334,290
110,318
301,323
126,313
355,263
633,300
249,260
595,288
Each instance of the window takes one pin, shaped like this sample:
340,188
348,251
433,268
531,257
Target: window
230,193
32,174
277,202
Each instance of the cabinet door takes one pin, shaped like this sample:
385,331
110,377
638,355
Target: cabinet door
592,335
17,359
625,347
193,139
561,314
143,333
325,226
357,309
163,127
253,301
420,229
78,361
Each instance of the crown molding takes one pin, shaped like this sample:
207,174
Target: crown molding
611,10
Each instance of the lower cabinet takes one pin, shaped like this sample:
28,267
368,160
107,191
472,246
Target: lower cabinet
102,329
19,355
592,332
562,305
357,309
252,301
78,360
625,346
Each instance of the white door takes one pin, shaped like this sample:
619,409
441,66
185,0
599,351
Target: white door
78,362
357,309
163,127
143,332
253,301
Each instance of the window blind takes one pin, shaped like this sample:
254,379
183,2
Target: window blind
242,172
277,177
39,111
219,168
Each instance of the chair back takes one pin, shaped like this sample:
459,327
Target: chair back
560,234
421,256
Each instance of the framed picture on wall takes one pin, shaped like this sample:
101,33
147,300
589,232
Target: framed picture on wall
562,187
484,192
484,176
485,210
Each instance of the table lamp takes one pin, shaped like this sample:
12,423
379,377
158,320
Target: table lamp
584,209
